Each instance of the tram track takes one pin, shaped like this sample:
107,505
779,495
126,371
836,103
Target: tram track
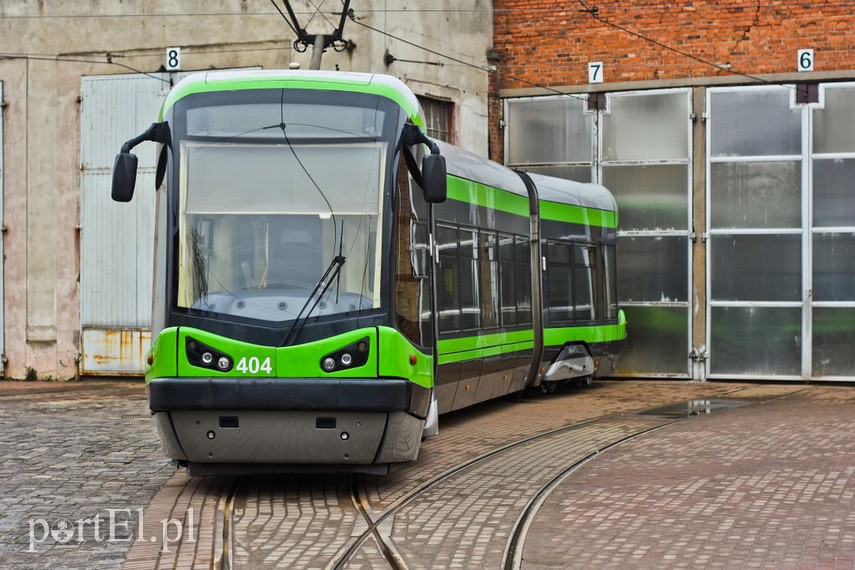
513,539
514,549
478,512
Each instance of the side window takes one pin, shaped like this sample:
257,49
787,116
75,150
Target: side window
559,282
583,281
412,283
489,280
610,274
522,275
470,308
448,279
507,280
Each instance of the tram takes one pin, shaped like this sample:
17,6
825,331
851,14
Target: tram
328,280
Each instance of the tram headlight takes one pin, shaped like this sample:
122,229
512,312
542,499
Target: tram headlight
204,356
351,356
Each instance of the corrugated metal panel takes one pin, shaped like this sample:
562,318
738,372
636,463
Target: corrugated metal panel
116,241
2,234
115,352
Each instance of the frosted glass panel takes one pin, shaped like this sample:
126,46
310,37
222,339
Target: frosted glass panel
834,269
755,194
657,341
834,192
754,123
756,268
833,342
650,197
653,269
834,126
765,341
645,127
577,173
547,130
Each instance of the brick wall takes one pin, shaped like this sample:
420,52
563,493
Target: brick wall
550,42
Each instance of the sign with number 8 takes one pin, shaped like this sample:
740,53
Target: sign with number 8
173,59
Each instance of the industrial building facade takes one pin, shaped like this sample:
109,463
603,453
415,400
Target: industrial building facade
725,131
78,79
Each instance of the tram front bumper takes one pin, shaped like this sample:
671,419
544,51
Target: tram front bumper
280,394
286,421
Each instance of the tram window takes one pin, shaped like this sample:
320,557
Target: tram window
610,273
489,280
559,282
448,280
522,272
507,280
412,289
583,283
470,309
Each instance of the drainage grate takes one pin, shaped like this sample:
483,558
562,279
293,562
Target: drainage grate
699,407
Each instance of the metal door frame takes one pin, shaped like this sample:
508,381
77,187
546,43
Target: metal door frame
687,233
806,231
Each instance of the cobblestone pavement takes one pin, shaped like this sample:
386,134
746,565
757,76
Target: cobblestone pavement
766,485
69,453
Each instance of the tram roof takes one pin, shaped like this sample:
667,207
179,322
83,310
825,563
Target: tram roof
583,194
468,165
383,85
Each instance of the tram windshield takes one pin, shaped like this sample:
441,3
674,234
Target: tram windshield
271,195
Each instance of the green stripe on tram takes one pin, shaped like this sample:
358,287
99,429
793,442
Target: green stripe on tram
284,82
479,194
474,347
577,214
594,334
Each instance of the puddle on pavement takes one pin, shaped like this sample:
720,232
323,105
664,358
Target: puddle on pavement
697,407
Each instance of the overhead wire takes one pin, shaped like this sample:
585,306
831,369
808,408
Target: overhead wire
59,58
485,68
594,13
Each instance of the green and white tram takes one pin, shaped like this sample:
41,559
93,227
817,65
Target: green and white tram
328,280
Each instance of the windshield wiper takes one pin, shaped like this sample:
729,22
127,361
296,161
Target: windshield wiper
332,273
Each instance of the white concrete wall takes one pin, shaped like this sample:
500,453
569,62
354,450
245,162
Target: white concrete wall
47,46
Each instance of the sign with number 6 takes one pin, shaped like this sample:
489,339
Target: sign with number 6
805,62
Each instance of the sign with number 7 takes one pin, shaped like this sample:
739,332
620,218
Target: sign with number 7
595,72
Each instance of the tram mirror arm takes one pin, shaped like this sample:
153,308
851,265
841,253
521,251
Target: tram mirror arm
433,176
125,166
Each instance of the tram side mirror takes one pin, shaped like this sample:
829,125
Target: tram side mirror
124,177
434,178
125,167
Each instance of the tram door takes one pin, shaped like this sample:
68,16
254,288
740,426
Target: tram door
781,219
